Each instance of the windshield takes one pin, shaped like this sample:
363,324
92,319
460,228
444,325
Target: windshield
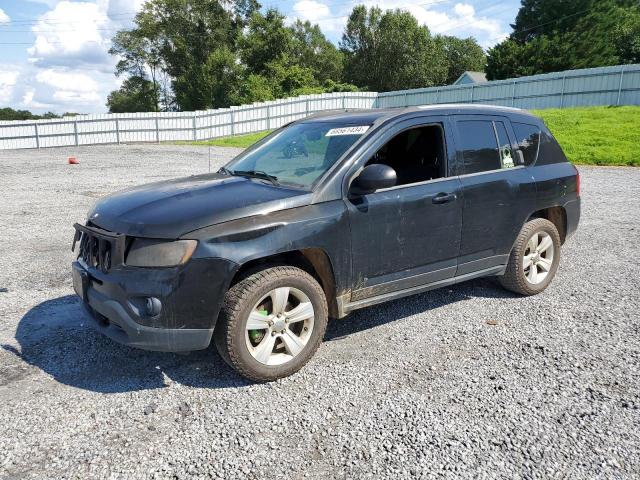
299,154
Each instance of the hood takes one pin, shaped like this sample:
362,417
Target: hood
172,208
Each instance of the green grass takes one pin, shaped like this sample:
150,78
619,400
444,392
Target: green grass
596,135
239,141
589,136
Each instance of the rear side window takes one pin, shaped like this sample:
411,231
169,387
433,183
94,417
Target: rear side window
479,146
550,151
528,137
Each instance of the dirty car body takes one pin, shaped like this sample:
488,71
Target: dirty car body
156,261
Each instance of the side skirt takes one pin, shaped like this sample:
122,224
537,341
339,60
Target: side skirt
345,308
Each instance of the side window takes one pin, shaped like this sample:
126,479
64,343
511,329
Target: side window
479,146
528,137
417,154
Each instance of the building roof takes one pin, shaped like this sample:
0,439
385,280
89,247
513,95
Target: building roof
475,77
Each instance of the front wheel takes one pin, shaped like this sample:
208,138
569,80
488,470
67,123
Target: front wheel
534,259
271,323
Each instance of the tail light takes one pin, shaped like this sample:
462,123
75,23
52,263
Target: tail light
577,181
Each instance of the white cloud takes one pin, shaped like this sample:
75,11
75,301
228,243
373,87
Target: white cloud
68,66
71,34
464,10
8,77
317,13
4,18
310,10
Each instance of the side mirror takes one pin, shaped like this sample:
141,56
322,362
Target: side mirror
373,177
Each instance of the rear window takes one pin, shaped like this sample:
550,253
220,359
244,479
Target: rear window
479,146
528,137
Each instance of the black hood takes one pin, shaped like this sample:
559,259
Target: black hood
172,208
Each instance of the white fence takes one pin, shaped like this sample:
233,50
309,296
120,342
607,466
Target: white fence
619,85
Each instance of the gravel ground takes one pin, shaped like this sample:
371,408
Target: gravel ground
468,381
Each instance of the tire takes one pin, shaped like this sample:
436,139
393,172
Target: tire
520,279
259,299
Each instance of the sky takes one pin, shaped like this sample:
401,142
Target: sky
54,54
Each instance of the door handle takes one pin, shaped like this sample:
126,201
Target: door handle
444,198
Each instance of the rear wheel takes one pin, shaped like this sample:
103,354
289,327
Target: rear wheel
271,323
534,259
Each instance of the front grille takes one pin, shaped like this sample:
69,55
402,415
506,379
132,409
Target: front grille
95,252
99,248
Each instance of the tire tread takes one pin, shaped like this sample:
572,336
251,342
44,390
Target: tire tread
513,278
236,299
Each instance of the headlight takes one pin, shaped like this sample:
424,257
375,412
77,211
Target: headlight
159,253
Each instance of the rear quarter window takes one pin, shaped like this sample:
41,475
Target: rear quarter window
528,137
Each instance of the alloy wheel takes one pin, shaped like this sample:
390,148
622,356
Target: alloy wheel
279,326
538,258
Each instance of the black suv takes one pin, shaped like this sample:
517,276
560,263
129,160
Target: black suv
326,215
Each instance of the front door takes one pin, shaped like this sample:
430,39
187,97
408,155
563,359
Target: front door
407,235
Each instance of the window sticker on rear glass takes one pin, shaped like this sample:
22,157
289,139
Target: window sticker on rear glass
355,130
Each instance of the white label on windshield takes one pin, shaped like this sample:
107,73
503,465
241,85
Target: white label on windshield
359,130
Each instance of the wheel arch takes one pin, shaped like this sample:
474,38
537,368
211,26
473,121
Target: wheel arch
556,215
314,261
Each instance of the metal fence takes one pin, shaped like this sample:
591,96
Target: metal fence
619,85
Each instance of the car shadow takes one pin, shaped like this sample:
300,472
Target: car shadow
56,337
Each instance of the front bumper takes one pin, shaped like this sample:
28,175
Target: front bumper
189,299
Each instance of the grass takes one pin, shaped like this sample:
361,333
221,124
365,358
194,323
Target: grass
588,135
596,135
239,141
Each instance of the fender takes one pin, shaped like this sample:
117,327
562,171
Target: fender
320,226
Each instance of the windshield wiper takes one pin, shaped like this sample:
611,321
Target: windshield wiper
256,174
225,170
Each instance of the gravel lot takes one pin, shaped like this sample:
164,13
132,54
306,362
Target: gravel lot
468,381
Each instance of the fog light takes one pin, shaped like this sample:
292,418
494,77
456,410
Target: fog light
153,307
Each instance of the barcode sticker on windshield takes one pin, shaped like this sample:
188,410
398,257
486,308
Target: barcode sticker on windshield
359,130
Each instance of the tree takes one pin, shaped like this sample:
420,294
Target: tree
462,54
391,51
267,40
311,49
139,53
192,35
283,61
136,94
11,114
554,35
626,37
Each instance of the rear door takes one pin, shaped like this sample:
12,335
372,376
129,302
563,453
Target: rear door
499,193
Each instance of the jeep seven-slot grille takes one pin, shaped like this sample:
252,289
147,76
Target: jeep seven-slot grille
99,248
95,252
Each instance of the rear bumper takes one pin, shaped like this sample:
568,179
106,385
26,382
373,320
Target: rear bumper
187,301
572,210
